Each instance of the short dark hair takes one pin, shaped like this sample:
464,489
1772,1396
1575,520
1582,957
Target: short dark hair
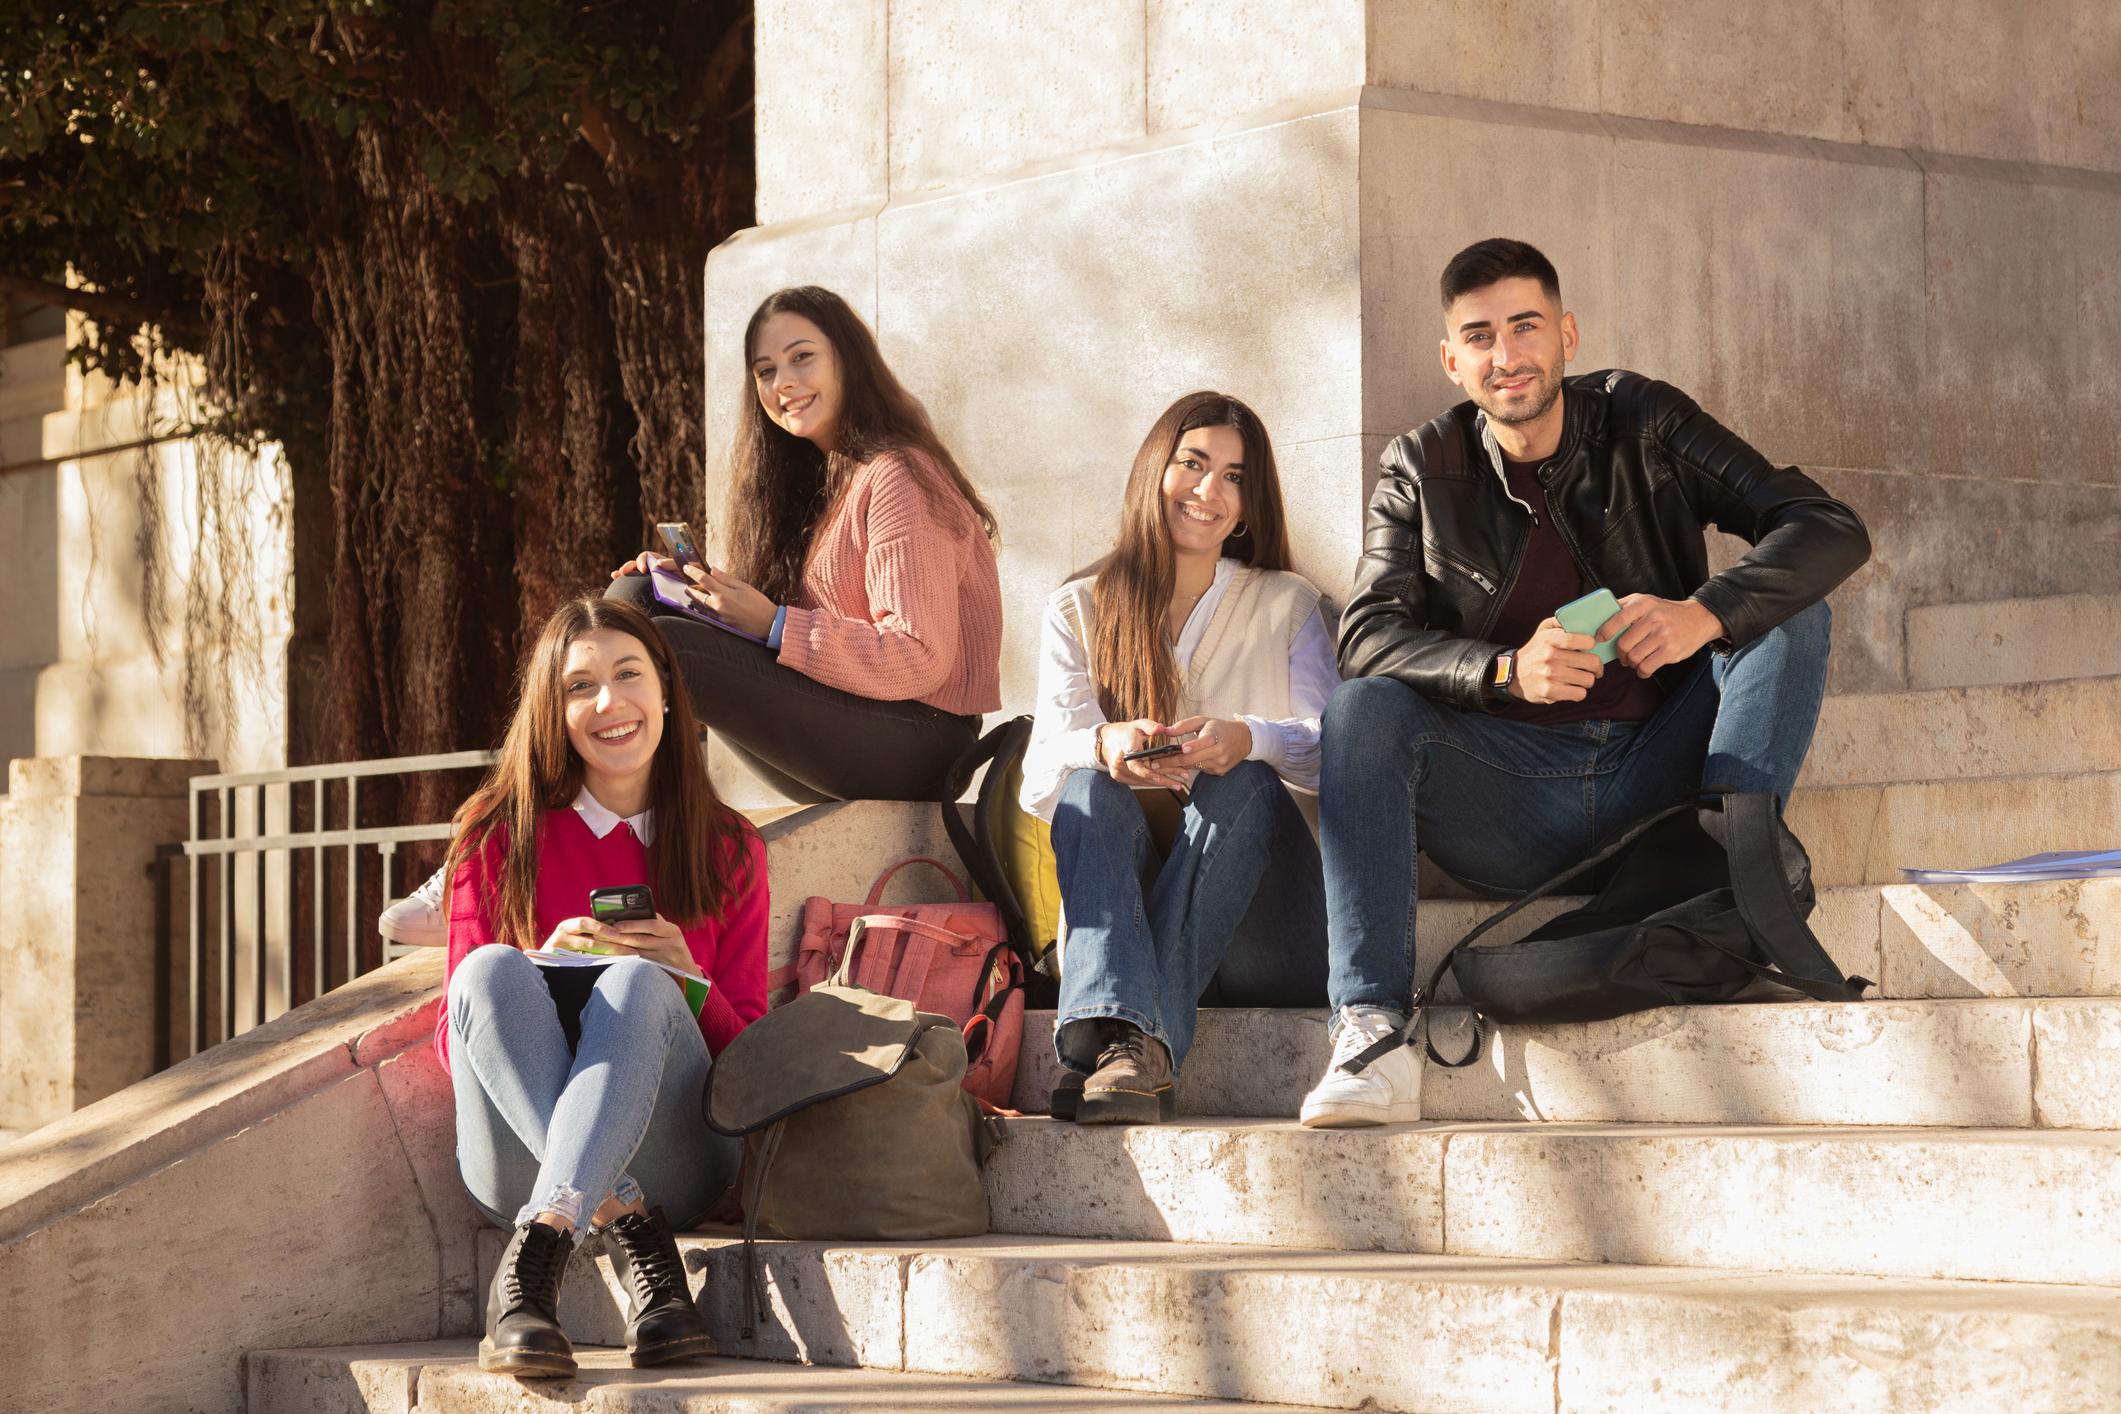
1497,258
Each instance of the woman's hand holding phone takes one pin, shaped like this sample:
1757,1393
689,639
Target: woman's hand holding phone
657,939
1218,743
731,600
1116,739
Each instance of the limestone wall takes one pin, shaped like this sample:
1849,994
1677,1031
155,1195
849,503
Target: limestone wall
93,491
1882,242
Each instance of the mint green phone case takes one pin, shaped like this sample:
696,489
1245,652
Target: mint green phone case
1588,615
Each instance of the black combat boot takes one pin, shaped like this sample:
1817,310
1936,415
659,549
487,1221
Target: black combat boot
523,1335
662,1322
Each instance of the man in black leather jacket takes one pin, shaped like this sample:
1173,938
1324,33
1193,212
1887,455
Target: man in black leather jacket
1470,722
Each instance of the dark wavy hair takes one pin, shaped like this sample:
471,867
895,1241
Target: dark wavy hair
781,486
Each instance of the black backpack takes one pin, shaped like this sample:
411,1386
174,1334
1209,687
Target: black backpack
1699,901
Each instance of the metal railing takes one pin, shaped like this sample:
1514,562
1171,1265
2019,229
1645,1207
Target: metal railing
278,908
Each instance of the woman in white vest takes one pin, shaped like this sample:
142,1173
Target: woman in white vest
1189,877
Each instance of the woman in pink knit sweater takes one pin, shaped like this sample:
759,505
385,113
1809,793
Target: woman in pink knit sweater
578,1087
860,565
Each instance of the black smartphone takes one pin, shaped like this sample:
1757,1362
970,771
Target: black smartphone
633,903
1150,753
678,539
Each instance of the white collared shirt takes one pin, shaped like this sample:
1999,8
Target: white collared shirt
1064,723
602,822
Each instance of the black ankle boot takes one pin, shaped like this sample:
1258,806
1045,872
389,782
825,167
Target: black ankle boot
662,1323
523,1335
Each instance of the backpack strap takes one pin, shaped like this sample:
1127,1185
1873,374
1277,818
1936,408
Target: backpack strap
753,1310
972,843
1425,996
1762,889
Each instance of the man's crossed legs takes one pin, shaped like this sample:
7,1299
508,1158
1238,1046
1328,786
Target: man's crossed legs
1503,805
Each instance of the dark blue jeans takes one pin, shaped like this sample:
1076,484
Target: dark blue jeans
1239,903
1502,806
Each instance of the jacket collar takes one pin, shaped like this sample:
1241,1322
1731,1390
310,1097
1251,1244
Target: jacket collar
1582,411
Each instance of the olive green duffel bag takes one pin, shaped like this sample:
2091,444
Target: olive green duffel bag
855,1122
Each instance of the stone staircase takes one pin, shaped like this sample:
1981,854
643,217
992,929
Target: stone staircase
1900,1204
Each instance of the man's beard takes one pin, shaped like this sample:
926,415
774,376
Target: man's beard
1545,389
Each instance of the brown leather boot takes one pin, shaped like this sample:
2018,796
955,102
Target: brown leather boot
1132,1083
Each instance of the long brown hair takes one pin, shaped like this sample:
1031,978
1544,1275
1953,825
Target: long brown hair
781,486
1130,660
699,857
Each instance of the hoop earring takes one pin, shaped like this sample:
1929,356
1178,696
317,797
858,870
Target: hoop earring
1240,531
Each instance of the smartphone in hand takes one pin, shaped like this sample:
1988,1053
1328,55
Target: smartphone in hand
678,539
1150,753
633,903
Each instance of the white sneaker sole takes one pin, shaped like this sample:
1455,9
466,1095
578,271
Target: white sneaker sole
1353,1114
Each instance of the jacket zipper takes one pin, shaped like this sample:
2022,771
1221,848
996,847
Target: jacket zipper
1467,570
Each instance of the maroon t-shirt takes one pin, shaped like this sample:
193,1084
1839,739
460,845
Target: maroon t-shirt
1547,578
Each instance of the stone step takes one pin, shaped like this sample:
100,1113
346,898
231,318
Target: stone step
443,1377
2013,640
1914,940
1963,1064
1956,733
1983,1205
1866,834
1393,1331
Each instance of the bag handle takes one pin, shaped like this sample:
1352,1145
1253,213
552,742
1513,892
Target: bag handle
876,890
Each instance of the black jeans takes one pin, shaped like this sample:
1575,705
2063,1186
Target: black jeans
809,741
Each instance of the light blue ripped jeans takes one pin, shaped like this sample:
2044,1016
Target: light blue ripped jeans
545,1127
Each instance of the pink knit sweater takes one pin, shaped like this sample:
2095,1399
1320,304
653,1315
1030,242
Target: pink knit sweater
897,603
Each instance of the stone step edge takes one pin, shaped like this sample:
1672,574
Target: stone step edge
1860,1200
431,1377
2037,1065
1901,694
818,1288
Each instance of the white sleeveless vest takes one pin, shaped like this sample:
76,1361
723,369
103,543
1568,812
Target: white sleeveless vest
1241,667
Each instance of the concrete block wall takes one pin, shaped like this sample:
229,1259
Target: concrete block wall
1879,242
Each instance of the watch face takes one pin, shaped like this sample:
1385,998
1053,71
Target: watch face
1504,664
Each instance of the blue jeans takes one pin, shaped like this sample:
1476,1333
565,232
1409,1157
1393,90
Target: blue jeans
1238,903
543,1127
1503,806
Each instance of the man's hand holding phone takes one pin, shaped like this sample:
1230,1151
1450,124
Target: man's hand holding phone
1555,666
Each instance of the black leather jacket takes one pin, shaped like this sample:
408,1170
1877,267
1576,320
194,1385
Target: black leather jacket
1641,471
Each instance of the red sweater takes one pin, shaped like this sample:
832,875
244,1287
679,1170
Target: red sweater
897,603
731,949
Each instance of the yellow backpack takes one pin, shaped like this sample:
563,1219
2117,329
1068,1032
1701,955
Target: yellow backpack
1009,852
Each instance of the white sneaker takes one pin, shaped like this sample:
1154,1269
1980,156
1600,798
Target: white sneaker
1387,1091
419,920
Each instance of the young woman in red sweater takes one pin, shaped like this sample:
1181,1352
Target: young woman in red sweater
578,1089
861,556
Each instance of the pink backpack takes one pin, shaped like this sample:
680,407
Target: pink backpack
953,959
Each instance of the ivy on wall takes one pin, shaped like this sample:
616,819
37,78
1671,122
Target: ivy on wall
448,255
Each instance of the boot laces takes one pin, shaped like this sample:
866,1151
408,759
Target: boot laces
655,1267
1124,1043
535,1273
